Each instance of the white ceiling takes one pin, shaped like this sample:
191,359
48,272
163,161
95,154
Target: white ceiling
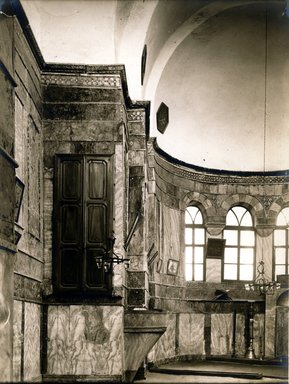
222,68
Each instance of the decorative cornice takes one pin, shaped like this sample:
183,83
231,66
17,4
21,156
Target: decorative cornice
212,176
87,80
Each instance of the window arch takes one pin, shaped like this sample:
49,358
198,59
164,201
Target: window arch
281,243
195,240
239,257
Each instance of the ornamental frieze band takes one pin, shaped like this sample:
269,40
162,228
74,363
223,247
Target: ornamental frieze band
136,115
82,80
179,170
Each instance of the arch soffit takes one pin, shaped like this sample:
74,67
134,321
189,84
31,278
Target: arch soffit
249,202
201,201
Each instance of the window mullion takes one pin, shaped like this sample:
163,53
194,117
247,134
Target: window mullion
238,253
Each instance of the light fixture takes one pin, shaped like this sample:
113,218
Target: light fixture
262,284
110,258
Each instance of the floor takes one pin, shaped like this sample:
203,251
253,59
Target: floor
216,372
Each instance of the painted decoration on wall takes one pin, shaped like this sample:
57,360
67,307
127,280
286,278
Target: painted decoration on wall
173,266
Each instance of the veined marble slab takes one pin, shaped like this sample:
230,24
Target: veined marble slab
17,340
32,368
85,340
221,334
191,334
165,347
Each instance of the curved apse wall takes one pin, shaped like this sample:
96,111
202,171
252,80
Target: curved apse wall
214,85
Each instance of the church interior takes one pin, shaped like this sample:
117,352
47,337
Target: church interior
144,190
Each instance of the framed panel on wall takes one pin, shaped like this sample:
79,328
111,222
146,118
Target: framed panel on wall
173,266
215,248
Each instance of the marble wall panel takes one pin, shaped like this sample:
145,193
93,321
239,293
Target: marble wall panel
26,288
58,340
6,310
48,208
270,326
213,270
136,128
240,344
221,334
171,235
258,333
165,347
28,266
17,339
32,369
119,182
136,157
75,131
282,315
85,340
191,334
34,178
80,112
56,93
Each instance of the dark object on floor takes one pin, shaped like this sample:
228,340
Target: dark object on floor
222,295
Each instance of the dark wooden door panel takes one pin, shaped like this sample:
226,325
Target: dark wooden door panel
71,179
97,179
70,224
96,224
83,222
70,268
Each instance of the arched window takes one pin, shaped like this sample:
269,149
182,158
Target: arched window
281,243
239,258
194,244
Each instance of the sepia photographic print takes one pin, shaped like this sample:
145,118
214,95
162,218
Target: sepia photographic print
144,191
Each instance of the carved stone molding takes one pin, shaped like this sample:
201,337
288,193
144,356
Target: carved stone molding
215,229
264,230
136,115
210,178
267,201
82,80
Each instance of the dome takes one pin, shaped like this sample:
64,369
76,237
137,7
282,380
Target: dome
221,68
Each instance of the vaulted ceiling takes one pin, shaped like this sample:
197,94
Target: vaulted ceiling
221,67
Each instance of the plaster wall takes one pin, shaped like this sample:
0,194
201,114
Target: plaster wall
88,35
230,77
229,62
